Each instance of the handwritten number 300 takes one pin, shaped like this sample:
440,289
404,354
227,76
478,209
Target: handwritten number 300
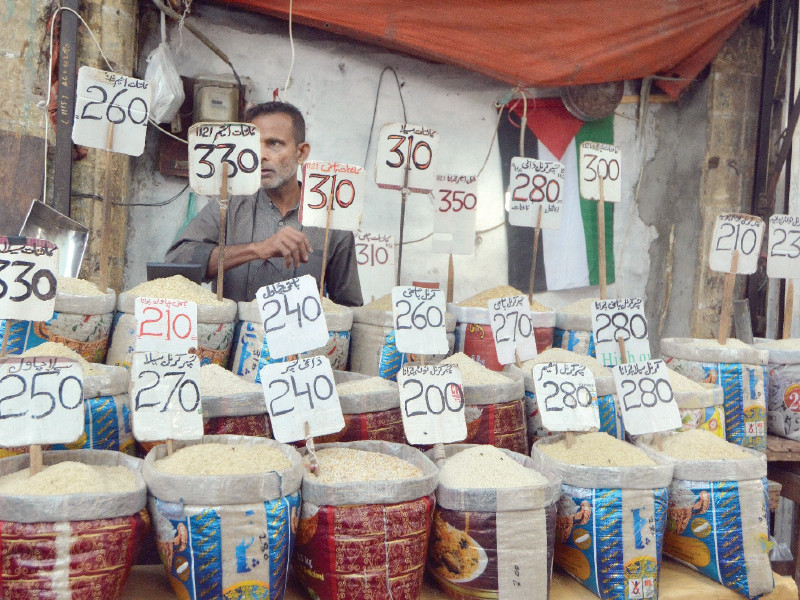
112,105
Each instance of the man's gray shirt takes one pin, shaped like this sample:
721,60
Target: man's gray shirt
256,218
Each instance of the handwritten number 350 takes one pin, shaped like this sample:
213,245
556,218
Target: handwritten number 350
119,113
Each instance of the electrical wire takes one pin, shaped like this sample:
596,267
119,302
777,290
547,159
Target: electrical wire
375,108
145,204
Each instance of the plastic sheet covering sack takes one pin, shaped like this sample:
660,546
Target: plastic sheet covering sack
783,400
368,539
225,536
494,543
236,414
718,521
610,525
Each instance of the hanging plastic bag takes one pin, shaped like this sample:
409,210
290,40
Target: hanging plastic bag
161,73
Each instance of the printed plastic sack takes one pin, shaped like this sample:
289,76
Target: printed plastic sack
702,410
244,413
573,332
783,400
161,73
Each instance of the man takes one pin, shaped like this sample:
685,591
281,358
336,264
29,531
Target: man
265,241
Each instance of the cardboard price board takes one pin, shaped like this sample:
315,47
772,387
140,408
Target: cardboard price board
332,187
300,392
404,147
600,161
512,329
620,318
534,184
103,99
235,145
567,397
41,401
292,314
783,257
165,396
454,216
28,278
735,232
374,249
165,325
645,397
432,404
419,324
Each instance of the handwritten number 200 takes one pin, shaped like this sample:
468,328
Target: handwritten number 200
113,106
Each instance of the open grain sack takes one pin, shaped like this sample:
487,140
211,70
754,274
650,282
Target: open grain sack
573,330
611,514
783,399
251,352
717,518
741,371
231,404
474,328
494,525
72,531
365,522
610,416
701,405
215,319
225,513
372,346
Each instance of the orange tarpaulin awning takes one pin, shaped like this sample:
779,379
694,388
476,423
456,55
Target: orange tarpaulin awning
545,43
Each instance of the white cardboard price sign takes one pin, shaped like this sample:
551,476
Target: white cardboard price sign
454,217
432,404
736,232
339,185
165,396
235,145
419,323
783,258
402,146
28,278
300,392
512,329
41,401
292,314
535,183
620,318
103,98
165,325
646,398
600,161
567,396
374,249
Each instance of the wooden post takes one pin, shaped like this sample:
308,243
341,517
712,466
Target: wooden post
35,453
788,309
623,355
169,447
450,279
727,300
404,195
223,228
569,439
601,243
325,247
105,246
536,233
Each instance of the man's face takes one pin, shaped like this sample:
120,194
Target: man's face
280,154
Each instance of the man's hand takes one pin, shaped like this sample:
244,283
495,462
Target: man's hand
289,243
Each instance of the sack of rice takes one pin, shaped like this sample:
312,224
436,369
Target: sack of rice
494,525
365,522
611,514
215,319
225,513
717,519
232,405
741,371
74,529
783,400
372,346
573,330
251,352
699,404
474,328
610,415
81,320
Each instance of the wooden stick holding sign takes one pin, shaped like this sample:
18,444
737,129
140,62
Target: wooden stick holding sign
223,227
105,248
404,192
727,300
788,309
536,234
325,251
601,243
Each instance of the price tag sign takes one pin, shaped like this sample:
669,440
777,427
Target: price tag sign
103,98
783,259
536,183
736,232
512,329
374,249
567,396
292,314
340,186
620,318
419,326
646,398
432,404
454,219
165,325
165,396
300,392
28,278
41,401
235,145
404,147
600,161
